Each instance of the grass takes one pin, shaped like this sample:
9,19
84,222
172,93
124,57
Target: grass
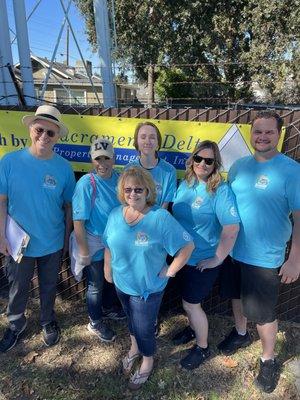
82,368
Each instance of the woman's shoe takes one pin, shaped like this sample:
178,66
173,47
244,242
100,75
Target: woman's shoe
128,362
138,379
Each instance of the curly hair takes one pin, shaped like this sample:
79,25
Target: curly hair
141,177
215,178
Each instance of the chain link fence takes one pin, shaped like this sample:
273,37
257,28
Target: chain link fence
289,299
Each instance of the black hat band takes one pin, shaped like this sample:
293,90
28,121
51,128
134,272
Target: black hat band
47,116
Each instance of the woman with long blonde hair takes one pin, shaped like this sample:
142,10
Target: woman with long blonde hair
204,205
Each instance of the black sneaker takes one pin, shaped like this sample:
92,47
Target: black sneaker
233,342
10,339
102,331
116,314
51,334
184,336
268,376
196,356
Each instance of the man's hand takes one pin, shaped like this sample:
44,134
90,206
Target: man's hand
289,272
108,275
209,263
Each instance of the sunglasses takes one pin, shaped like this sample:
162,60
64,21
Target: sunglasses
105,158
198,159
135,190
40,131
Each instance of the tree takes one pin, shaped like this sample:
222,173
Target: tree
220,46
166,87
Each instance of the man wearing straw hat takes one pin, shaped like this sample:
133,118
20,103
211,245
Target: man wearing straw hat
36,187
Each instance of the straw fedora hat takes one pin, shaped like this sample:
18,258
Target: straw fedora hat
47,113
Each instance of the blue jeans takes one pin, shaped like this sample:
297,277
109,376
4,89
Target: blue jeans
141,316
94,276
99,292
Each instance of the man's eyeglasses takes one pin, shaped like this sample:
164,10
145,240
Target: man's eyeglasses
135,190
198,159
40,131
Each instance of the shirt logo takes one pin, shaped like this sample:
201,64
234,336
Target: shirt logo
158,188
49,182
142,239
186,236
262,182
233,211
198,202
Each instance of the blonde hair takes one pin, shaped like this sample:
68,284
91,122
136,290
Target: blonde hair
215,178
141,177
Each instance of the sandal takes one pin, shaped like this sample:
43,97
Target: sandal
138,379
128,362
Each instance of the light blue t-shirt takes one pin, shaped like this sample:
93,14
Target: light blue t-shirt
94,207
164,176
37,190
203,215
266,193
138,252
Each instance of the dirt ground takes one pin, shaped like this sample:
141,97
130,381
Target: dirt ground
80,367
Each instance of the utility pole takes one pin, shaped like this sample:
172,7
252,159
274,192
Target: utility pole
8,94
104,51
67,44
24,52
150,85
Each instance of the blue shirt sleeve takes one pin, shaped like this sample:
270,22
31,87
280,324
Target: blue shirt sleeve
70,186
3,176
172,186
174,236
82,199
293,191
225,207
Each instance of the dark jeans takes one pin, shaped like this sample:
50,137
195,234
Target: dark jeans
141,316
99,292
19,277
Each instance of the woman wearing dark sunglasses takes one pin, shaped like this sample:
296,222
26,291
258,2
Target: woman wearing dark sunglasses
138,236
205,206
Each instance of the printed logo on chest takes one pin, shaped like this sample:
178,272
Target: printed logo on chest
49,182
158,187
142,239
262,182
197,202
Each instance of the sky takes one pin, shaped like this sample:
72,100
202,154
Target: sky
43,30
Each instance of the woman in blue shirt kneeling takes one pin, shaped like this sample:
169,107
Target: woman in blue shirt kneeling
204,205
138,237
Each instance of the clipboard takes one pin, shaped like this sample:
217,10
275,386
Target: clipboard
17,238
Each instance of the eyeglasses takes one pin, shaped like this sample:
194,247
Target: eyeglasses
135,190
40,131
198,159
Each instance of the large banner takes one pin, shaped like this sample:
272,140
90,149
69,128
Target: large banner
179,138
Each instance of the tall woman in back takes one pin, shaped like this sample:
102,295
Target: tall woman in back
147,141
204,205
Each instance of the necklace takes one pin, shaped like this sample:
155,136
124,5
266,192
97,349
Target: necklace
136,218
